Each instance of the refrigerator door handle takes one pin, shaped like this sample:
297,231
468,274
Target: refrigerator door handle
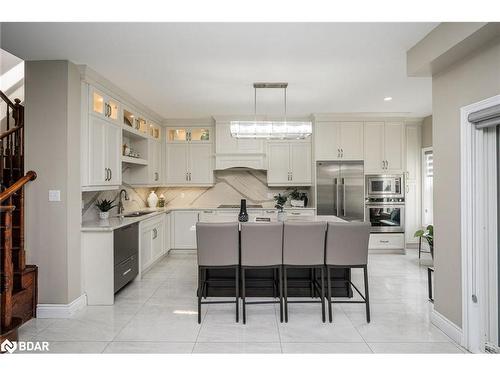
336,196
343,197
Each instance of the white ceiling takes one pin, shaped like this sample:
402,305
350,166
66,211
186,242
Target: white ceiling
183,70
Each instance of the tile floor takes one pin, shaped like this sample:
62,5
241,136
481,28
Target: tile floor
158,315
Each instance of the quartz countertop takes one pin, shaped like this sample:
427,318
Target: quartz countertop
116,221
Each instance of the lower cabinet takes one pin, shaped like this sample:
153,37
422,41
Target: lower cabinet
184,229
387,241
152,241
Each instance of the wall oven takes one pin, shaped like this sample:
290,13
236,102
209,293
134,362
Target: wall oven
384,186
386,214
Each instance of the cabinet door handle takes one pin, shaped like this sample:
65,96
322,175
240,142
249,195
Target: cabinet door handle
186,176
384,241
189,176
110,174
127,271
342,153
155,233
107,174
338,152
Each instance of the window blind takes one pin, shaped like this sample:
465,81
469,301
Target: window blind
485,118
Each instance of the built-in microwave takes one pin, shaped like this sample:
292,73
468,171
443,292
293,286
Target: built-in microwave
384,186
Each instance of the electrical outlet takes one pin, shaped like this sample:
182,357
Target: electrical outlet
54,195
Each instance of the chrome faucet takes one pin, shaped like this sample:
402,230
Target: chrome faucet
120,202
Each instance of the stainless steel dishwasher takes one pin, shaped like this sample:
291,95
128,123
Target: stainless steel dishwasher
126,255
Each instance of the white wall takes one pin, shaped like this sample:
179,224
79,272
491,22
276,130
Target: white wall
467,81
52,141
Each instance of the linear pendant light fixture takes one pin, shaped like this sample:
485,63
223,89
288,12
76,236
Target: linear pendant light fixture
271,129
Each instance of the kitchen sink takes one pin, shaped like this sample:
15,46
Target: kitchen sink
137,213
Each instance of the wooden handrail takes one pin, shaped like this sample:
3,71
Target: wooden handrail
10,131
7,100
30,176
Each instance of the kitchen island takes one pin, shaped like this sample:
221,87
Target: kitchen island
259,281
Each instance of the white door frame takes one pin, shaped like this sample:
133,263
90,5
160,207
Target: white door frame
478,227
422,182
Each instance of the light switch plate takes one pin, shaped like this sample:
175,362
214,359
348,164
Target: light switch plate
54,195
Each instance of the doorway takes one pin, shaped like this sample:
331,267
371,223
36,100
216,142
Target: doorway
480,219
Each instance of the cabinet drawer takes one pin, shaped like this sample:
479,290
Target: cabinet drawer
387,241
126,242
125,272
294,213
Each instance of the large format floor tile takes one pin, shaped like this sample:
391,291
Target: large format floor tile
159,314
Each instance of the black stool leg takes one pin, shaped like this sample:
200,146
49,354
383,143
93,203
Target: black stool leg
274,283
280,286
285,287
204,283
419,246
237,287
311,282
367,297
329,287
323,295
200,292
243,295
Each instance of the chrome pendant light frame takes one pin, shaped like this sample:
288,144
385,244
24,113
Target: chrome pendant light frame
271,129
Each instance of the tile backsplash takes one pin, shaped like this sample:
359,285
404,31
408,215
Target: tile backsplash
230,187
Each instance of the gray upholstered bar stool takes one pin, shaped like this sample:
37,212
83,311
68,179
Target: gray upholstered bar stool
347,247
261,247
218,247
304,247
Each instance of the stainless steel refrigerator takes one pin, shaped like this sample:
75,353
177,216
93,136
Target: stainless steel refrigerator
340,189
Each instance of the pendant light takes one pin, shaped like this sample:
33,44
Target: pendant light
271,129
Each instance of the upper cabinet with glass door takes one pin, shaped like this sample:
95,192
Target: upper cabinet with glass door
193,135
104,105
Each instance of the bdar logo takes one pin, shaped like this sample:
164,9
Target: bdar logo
8,346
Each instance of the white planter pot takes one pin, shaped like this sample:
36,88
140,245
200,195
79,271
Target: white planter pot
104,215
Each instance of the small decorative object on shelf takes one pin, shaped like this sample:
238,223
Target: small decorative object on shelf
280,203
297,199
161,201
243,216
126,150
152,199
104,207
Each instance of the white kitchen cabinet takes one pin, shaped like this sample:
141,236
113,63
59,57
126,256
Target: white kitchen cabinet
154,162
189,164
167,232
384,147
184,229
104,106
150,174
412,181
152,245
177,164
103,155
338,140
394,133
289,164
387,241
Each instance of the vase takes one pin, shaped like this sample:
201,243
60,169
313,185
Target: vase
152,199
297,203
104,215
243,216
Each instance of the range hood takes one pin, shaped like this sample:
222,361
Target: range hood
271,129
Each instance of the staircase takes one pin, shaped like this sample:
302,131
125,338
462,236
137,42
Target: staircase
18,281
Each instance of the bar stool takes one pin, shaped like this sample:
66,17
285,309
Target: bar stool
218,247
261,247
347,247
304,247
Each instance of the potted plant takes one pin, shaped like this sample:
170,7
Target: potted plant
280,203
297,198
428,234
104,207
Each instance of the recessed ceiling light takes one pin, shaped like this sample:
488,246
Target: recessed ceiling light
388,98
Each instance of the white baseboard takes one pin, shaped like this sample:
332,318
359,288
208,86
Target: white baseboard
53,310
451,330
